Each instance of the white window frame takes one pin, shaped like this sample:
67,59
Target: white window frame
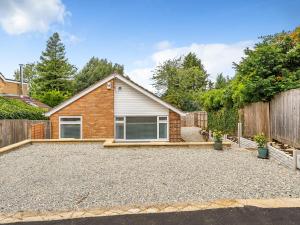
163,121
69,122
124,127
137,140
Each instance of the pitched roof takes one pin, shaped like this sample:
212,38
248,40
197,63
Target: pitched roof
125,80
9,80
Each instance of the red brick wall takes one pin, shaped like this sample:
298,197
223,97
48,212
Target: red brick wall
37,131
174,127
97,111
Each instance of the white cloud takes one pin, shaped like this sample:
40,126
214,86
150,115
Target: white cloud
142,76
216,58
21,16
163,45
69,38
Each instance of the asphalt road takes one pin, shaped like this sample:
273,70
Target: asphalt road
248,215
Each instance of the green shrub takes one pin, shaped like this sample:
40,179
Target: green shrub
225,120
218,135
16,109
261,140
53,97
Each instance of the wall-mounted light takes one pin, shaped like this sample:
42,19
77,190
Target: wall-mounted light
108,85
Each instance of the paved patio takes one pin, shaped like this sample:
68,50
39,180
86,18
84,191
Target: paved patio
65,176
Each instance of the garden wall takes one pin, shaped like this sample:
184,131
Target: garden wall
281,157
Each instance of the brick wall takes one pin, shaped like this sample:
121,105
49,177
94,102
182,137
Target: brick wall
38,131
12,88
174,127
97,111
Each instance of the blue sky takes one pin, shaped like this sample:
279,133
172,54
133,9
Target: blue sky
140,34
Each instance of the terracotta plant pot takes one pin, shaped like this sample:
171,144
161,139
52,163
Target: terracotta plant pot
218,145
262,153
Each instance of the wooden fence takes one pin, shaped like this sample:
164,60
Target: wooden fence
279,119
285,117
195,119
256,119
13,131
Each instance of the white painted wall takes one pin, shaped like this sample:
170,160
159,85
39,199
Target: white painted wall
129,101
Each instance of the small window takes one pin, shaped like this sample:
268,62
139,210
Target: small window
70,127
163,118
65,119
121,119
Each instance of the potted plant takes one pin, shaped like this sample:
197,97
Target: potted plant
261,141
218,137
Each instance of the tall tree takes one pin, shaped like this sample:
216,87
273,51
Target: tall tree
96,69
54,72
179,81
53,82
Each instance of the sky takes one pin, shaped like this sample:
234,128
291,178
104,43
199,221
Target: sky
140,34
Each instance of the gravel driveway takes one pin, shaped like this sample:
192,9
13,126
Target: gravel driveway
71,176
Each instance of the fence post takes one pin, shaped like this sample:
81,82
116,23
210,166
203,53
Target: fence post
296,154
239,133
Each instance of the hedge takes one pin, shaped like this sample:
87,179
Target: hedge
225,120
16,109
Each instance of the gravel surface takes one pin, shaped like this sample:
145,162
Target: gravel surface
72,176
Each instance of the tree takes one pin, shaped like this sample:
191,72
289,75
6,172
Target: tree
221,81
54,72
96,69
29,72
53,98
271,67
179,81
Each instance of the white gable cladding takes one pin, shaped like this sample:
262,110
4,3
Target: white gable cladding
129,101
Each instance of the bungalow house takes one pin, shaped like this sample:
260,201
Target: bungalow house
117,108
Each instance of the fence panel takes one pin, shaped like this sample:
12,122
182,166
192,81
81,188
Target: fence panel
285,117
195,119
13,131
255,118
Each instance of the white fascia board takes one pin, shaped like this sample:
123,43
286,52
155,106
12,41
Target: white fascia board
153,97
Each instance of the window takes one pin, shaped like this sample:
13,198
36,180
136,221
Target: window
163,127
70,127
119,127
141,127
